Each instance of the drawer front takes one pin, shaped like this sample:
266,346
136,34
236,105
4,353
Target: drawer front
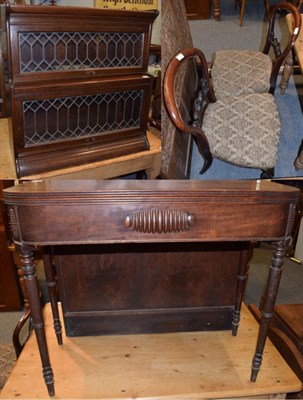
147,222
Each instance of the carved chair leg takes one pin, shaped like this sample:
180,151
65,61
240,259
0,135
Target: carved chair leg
268,173
299,159
242,11
287,71
217,10
16,335
267,6
141,175
242,4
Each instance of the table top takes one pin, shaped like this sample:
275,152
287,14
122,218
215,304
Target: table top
188,188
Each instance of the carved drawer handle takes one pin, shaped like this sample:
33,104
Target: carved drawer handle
159,221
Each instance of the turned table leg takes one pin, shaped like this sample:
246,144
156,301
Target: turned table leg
32,289
273,282
51,284
242,278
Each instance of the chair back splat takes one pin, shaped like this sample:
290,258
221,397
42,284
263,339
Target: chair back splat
272,41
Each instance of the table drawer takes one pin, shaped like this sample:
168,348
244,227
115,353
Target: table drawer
151,223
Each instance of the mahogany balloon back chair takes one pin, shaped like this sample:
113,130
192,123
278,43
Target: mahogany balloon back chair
240,130
237,72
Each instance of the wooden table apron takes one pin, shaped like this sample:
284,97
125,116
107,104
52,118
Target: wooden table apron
49,213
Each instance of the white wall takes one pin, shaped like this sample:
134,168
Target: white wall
156,35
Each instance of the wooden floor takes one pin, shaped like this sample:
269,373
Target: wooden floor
149,160
7,157
196,365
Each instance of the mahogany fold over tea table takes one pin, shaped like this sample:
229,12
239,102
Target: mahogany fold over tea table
120,212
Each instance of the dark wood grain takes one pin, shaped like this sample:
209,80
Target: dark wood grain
10,291
147,287
80,89
76,148
94,212
77,19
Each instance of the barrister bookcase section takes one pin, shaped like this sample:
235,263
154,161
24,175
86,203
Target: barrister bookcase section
80,88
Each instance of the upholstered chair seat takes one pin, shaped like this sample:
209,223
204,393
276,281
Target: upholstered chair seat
244,130
238,72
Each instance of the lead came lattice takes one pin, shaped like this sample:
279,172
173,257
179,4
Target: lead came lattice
54,51
51,120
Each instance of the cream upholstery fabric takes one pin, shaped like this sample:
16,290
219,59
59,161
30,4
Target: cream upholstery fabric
237,72
244,130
